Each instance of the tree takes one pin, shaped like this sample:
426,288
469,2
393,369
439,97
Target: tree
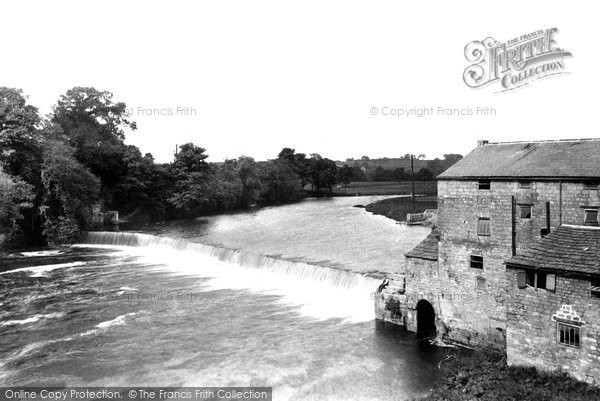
438,166
19,136
287,154
298,162
15,196
71,191
228,188
425,174
21,155
345,175
191,159
194,188
322,174
94,126
250,179
279,182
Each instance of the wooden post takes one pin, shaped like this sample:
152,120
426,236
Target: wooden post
412,169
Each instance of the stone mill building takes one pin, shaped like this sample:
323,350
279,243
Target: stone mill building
514,260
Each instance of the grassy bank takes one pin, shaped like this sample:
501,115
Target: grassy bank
484,375
397,208
385,188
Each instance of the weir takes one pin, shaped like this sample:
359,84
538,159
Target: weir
333,276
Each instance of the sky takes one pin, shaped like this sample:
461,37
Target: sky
251,77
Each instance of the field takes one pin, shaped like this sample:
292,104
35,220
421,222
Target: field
385,188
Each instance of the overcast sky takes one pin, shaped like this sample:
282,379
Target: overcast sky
262,75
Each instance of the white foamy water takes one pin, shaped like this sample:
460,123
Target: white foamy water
31,319
296,321
38,271
119,320
51,252
321,292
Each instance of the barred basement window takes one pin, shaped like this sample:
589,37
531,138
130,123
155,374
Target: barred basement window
525,211
483,227
484,185
569,335
476,262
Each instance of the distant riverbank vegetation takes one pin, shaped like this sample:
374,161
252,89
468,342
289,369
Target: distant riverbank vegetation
56,169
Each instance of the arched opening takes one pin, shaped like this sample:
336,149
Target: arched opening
425,320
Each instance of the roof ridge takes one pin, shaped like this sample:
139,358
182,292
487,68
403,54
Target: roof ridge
582,227
543,141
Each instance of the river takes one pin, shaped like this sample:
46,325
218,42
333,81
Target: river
279,296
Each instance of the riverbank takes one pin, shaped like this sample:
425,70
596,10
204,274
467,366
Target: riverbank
484,375
374,188
398,208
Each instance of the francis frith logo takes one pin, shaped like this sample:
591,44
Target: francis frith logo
516,62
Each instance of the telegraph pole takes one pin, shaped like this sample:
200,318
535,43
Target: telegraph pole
412,170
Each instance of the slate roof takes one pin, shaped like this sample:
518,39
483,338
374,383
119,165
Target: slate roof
575,158
427,249
566,248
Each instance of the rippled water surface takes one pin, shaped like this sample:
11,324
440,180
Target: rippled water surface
162,315
324,231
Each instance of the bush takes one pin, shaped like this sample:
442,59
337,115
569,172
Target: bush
62,230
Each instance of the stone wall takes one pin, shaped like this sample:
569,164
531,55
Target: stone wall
398,302
472,304
532,337
473,301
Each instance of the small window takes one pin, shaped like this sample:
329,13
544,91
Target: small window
591,217
537,280
476,262
524,184
590,185
484,185
569,335
480,283
483,227
525,211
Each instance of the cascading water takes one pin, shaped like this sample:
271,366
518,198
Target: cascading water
321,292
127,309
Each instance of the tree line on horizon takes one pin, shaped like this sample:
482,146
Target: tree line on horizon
55,170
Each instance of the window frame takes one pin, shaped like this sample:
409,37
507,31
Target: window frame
480,283
530,207
481,233
585,214
474,263
538,280
595,288
484,185
577,329
525,185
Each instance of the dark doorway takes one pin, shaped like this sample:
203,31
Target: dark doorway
425,320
